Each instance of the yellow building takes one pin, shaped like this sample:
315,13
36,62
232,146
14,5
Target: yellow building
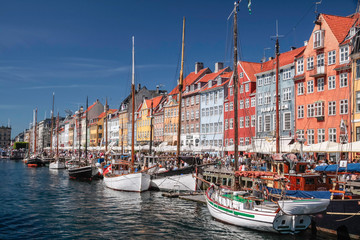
123,128
355,102
143,121
93,132
171,120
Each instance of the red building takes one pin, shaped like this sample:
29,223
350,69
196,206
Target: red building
246,105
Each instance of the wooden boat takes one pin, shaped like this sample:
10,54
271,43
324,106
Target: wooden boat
126,179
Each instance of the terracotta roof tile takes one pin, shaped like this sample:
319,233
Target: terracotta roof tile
191,78
339,26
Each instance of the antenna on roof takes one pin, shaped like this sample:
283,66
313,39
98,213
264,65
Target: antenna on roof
316,6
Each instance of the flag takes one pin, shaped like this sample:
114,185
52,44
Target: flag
108,169
249,6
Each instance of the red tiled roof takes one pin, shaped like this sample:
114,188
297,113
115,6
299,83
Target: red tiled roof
211,76
155,101
205,88
103,113
339,26
192,77
250,68
284,59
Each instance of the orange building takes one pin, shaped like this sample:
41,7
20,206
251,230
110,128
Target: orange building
322,82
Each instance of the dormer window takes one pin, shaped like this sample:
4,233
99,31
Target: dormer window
210,84
352,32
241,75
198,86
192,88
318,39
344,54
187,88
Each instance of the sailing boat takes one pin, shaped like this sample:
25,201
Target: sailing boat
59,163
34,160
121,175
180,179
242,209
83,170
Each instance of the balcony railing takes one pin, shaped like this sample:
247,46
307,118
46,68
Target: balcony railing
318,71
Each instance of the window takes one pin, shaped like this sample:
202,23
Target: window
332,108
259,124
300,133
215,127
300,66
231,91
286,94
331,57
332,134
187,116
216,111
260,99
197,128
321,135
247,104
231,106
192,115
253,120
253,102
300,111
310,110
357,133
247,89
357,73
203,128
191,128
241,122
241,105
197,114
344,54
212,127
311,136
207,111
300,88
241,75
215,97
231,123
241,88
260,81
203,112
320,60
247,121
267,98
192,100
241,141
267,125
287,121
287,74
319,109
320,84
220,110
318,39
310,63
226,107
247,141
310,86
197,99
187,102
357,101
207,128
344,106
183,117
331,82
343,80
211,111
226,124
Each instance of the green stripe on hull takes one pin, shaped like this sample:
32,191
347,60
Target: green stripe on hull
233,212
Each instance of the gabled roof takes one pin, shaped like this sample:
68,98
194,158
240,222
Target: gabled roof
211,76
155,101
339,26
285,58
190,79
206,87
250,69
102,115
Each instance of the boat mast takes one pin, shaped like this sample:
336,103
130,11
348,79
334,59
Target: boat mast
235,86
106,130
122,137
180,95
79,131
151,126
277,92
86,128
57,136
52,124
35,131
133,107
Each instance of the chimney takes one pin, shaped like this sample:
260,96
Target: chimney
157,89
305,43
138,87
218,66
198,66
271,58
292,48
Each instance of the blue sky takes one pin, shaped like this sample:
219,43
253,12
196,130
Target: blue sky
79,48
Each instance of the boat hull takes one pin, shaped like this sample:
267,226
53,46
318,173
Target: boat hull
185,182
83,173
341,216
132,182
57,165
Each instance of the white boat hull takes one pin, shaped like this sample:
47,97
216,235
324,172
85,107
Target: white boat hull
132,182
303,207
185,182
57,165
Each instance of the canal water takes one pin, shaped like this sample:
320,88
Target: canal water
39,203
